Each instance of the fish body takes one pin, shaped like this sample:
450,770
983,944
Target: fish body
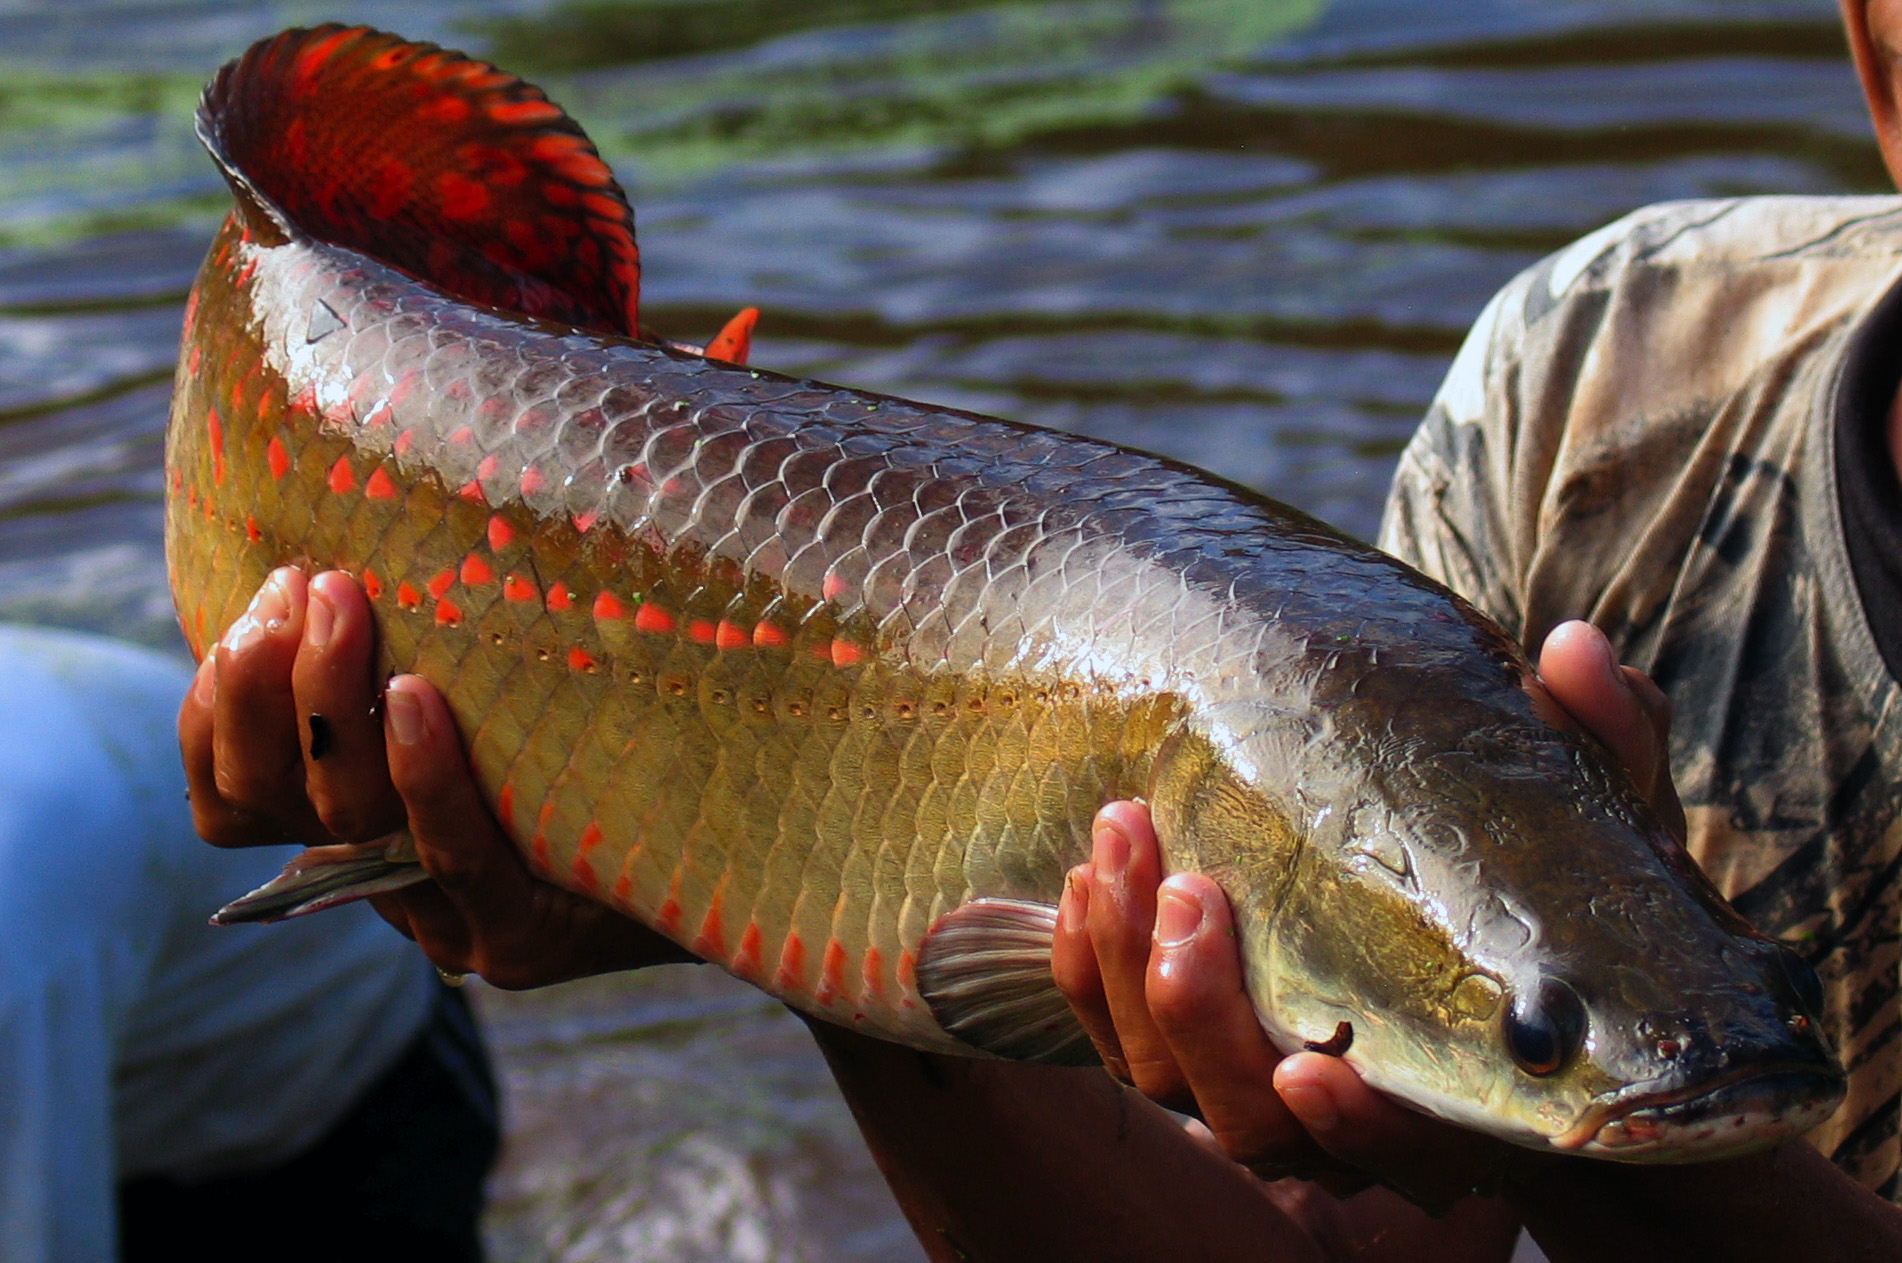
827,685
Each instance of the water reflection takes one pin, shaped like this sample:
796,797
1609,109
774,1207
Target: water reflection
1246,233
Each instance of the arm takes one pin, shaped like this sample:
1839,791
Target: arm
1154,970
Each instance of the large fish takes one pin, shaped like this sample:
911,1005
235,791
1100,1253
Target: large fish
827,685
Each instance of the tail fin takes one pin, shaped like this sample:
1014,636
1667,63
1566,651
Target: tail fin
441,165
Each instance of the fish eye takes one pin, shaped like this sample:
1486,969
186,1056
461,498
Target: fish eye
1544,1027
1803,981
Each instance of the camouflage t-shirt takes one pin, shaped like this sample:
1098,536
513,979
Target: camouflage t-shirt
1645,431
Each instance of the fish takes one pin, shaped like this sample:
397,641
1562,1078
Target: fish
827,685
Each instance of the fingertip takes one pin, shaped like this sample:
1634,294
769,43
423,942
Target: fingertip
1128,818
1073,906
204,689
1308,1085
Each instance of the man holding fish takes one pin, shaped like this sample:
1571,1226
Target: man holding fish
1679,428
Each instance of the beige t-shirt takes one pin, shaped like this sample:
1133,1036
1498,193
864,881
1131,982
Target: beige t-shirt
1641,431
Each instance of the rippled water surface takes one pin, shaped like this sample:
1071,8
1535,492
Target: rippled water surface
1245,233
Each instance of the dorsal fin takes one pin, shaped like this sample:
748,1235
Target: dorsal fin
428,160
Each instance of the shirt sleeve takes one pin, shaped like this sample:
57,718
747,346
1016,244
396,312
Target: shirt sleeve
1448,510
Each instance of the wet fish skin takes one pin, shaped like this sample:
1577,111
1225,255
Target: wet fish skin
794,672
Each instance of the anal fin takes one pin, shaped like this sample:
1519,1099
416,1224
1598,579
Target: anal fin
321,877
984,969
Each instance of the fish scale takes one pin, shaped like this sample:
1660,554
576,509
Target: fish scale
676,750
827,685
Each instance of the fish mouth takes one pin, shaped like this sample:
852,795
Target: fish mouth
1752,1109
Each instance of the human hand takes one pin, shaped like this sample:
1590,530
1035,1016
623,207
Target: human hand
286,739
1152,969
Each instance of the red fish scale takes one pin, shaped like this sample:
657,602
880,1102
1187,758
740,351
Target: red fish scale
952,638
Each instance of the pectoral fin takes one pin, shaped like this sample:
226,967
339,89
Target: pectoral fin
322,877
985,971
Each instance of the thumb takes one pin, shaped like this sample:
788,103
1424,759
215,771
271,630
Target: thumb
1617,704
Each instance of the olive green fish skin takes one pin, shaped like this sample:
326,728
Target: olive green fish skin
790,671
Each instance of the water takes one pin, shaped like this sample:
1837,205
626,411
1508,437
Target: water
1245,233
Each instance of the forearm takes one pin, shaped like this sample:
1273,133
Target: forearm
1791,1203
1000,1162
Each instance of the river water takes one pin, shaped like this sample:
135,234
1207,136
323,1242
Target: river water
1245,233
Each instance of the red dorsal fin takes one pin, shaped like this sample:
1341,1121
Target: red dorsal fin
434,162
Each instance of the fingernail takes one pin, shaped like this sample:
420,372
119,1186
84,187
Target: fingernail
1111,847
319,615
1314,1106
406,717
273,605
1178,917
1074,907
205,682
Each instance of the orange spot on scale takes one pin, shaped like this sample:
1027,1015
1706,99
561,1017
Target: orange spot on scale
475,571
461,435
745,962
584,522
585,876
831,973
441,582
516,588
580,660
403,442
407,597
907,971
727,636
245,272
505,805
590,838
378,485
485,468
341,478
710,942
652,618
372,586
191,495
305,400
532,481
560,598
447,615
276,457
382,414
251,529
538,845
191,361
217,430
501,534
791,974
832,586
608,606
700,631
845,653
472,491
667,916
872,971
404,385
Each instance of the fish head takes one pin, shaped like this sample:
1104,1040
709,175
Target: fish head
1512,940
